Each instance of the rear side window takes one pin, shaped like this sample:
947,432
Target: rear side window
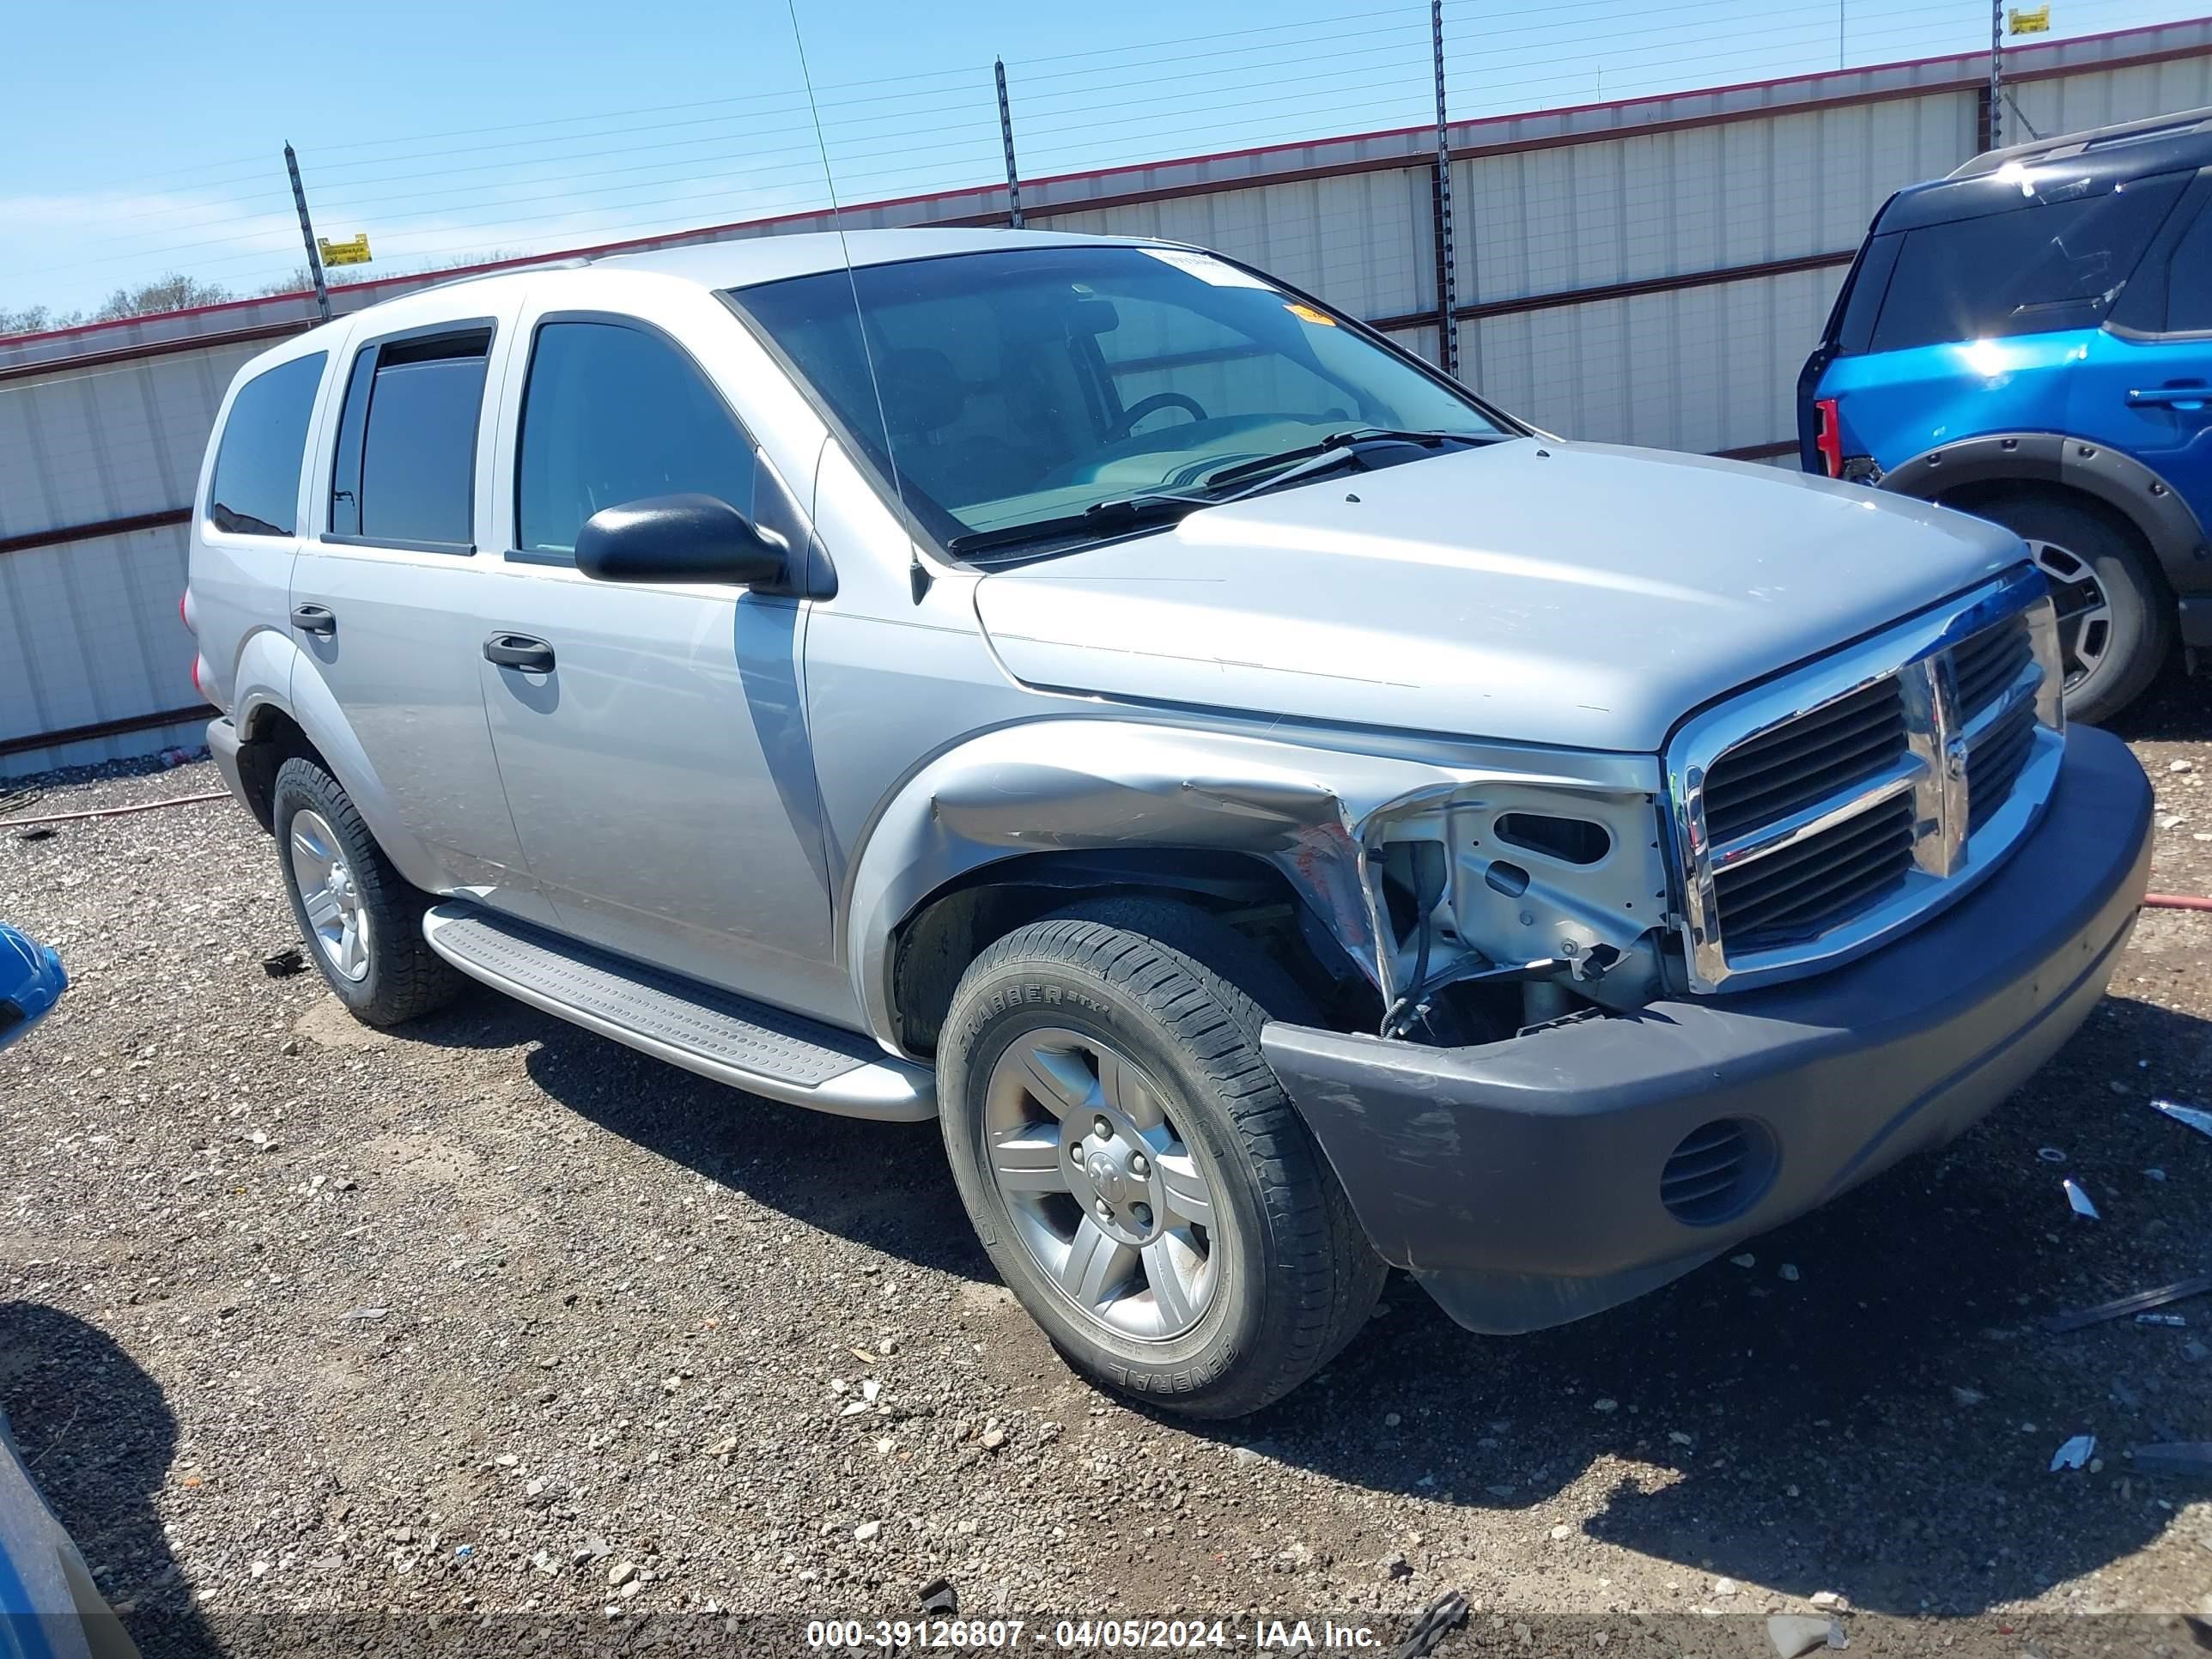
407,443
2057,265
256,490
2189,280
610,415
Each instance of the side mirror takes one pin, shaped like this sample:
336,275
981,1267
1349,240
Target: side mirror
680,539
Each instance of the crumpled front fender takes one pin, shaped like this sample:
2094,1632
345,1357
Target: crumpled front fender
1094,785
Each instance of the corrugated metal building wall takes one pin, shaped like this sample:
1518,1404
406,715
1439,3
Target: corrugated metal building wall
1650,272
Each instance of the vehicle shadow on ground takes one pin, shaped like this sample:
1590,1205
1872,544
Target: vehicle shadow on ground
2176,707
884,1185
1878,1421
97,1437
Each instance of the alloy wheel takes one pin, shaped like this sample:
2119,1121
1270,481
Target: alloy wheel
1106,1196
2085,612
331,895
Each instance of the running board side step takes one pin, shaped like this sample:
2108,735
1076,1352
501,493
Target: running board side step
747,1045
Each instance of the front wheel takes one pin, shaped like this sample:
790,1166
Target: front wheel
1140,1179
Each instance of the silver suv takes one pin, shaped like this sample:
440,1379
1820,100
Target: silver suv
1283,816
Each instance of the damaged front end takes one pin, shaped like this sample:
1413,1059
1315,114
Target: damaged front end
1534,1175
1435,884
1504,902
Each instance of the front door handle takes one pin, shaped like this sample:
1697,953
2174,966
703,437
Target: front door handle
2177,394
519,651
314,619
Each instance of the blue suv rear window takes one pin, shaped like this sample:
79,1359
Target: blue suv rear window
2057,265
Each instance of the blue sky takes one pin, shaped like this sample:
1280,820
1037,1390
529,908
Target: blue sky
153,144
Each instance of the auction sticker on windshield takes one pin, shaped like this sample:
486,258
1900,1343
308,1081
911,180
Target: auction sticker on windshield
1207,268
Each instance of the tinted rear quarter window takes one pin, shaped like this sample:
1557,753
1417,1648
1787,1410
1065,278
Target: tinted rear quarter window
407,442
256,491
2052,265
2189,280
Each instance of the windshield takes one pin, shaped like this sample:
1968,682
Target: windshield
1024,386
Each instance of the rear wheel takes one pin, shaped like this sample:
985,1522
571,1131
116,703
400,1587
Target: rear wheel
2115,624
1140,1179
361,922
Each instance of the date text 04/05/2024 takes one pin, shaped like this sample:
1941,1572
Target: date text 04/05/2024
1092,1635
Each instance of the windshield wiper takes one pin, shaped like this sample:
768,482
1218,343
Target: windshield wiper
1151,507
1334,450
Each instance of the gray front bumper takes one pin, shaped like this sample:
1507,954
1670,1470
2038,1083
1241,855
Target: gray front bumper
1520,1180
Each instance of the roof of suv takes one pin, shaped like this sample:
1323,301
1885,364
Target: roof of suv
747,260
2071,165
2183,138
738,263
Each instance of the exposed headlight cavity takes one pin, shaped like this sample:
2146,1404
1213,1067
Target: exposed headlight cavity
1521,872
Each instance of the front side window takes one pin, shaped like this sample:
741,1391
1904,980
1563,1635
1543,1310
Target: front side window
613,413
2055,265
1009,389
256,491
407,442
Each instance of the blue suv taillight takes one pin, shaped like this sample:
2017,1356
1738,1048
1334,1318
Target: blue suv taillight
1828,437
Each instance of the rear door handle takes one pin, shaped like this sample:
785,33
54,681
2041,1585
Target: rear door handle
314,619
2180,394
519,651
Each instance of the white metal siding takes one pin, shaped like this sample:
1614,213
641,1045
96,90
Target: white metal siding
1699,369
2101,98
1696,199
1649,191
108,442
1366,240
89,633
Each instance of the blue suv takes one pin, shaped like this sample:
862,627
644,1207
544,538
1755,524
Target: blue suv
2030,340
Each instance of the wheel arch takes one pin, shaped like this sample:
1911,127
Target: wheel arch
304,720
1971,471
944,934
1071,805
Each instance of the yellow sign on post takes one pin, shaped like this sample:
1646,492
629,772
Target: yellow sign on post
355,252
2031,22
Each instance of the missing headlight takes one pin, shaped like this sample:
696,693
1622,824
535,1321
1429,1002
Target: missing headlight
1571,841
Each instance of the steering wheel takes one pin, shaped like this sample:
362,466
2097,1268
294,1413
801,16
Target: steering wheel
1154,406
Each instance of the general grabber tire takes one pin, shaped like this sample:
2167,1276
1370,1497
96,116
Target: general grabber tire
360,921
1137,1173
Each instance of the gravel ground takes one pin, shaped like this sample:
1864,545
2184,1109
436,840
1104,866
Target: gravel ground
491,1316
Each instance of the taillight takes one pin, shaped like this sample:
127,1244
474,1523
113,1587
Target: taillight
185,611
1828,437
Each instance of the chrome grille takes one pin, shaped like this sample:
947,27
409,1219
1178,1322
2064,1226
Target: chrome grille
1989,662
1787,769
1818,815
1802,889
1995,761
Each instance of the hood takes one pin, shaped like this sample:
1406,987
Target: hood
1531,590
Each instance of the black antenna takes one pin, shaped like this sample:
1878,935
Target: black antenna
917,572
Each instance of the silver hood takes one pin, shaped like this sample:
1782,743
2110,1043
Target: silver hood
1539,591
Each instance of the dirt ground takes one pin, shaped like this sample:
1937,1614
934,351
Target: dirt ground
494,1320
